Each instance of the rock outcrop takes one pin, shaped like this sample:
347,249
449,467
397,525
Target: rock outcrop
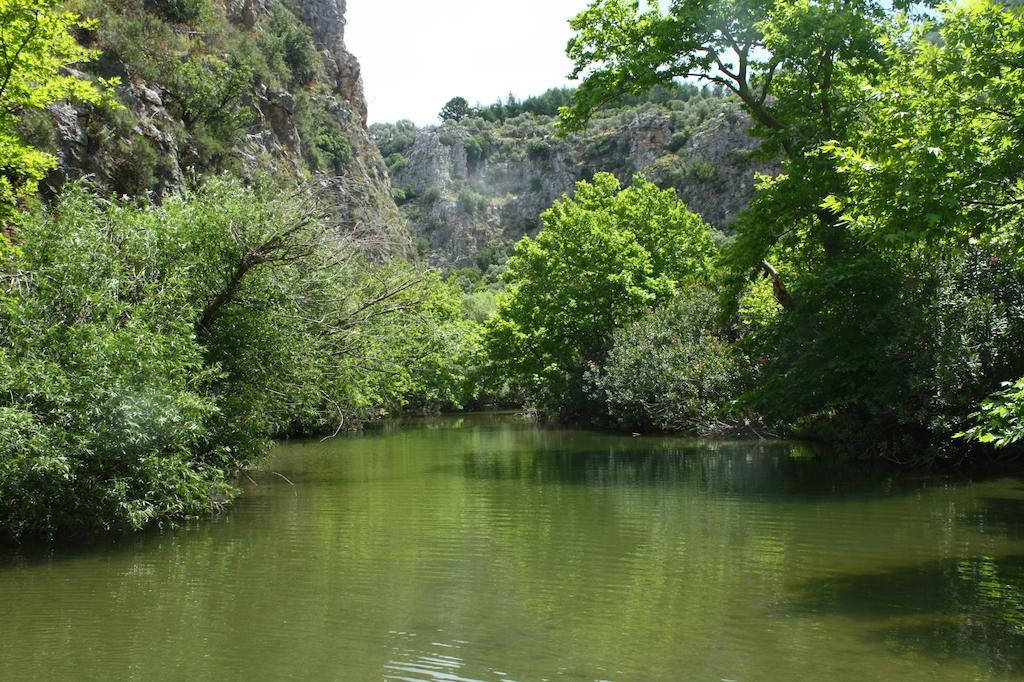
146,148
468,188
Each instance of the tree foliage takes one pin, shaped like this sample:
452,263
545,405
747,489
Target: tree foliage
134,383
674,369
1000,419
891,236
603,257
942,163
940,172
455,109
795,66
36,43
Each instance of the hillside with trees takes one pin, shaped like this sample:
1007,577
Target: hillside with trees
873,286
215,86
475,184
198,254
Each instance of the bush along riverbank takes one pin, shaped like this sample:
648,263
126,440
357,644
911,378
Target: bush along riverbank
150,352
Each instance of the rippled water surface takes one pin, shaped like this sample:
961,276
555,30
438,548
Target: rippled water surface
488,548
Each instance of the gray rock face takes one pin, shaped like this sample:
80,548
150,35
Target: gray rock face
326,18
462,204
81,137
726,145
111,146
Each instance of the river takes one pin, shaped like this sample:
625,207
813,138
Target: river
486,547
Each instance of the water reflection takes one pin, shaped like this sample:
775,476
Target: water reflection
998,515
742,468
496,549
971,608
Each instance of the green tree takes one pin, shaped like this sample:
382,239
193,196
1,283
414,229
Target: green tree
941,163
209,90
455,109
36,42
797,68
863,346
603,257
939,172
294,41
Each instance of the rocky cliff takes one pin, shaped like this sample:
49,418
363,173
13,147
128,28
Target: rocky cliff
470,189
244,86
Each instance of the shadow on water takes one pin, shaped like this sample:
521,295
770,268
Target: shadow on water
1003,515
109,547
970,609
758,470
91,548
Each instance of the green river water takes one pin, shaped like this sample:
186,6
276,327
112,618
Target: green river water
490,548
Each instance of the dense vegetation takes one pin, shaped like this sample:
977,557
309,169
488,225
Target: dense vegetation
136,382
214,79
150,351
589,271
891,241
872,293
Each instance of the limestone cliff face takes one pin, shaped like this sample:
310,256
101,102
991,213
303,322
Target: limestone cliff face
147,148
463,200
326,18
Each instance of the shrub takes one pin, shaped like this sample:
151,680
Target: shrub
180,11
667,171
486,257
133,384
538,150
294,42
431,195
699,168
480,306
137,166
404,195
422,245
334,144
678,141
471,202
394,138
468,279
674,369
325,146
396,162
477,148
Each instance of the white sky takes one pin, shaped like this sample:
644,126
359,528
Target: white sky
418,54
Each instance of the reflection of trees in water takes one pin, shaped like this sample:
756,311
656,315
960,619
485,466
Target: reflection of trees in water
998,514
956,608
748,468
649,543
